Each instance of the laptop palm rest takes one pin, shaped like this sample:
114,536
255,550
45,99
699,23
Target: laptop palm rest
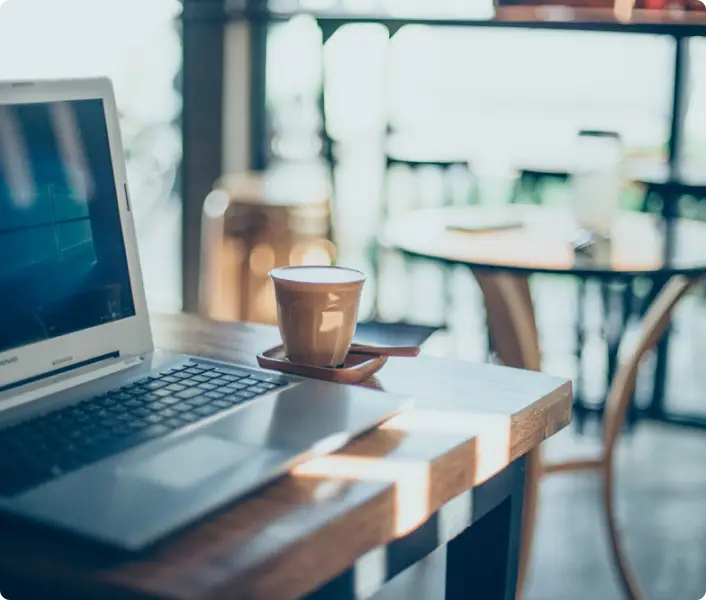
190,463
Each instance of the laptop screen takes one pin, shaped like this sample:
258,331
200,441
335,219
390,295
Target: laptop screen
63,266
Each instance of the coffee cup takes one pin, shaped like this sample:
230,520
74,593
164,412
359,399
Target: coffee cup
317,311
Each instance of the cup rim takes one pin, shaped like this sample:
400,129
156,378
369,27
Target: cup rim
362,277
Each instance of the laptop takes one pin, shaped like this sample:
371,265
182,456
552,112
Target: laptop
101,435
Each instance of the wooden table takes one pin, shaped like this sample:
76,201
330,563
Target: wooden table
544,245
435,493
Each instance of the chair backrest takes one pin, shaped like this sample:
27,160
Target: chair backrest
511,323
654,325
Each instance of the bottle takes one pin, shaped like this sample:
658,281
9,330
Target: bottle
597,181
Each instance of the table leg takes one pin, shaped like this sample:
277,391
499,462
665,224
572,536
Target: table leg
579,403
628,296
656,406
616,307
482,562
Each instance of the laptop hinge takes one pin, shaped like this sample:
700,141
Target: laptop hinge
65,384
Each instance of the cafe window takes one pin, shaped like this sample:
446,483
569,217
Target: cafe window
137,44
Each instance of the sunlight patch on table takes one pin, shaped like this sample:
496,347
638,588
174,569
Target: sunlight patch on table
491,430
411,479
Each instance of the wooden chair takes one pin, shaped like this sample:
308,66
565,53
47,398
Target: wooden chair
253,222
514,336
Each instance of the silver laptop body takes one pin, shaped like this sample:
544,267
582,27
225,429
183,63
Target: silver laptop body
101,435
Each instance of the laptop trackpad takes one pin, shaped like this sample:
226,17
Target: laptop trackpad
191,462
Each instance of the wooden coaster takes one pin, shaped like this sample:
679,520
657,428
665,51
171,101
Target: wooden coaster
357,368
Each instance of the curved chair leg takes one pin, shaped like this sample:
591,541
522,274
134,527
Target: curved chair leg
529,515
627,575
513,334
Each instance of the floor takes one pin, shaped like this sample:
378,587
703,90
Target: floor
662,508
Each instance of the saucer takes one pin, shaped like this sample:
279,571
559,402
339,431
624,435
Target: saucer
356,369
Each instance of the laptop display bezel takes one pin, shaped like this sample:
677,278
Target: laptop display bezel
128,336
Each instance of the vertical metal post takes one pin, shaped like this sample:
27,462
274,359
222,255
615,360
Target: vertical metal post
202,128
670,200
259,131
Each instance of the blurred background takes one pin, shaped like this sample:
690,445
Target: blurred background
329,99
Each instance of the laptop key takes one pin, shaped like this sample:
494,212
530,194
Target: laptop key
261,377
199,401
189,393
104,402
206,411
150,432
120,430
276,380
240,374
138,425
154,385
222,403
173,423
151,397
189,417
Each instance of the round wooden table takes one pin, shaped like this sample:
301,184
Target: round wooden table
544,243
503,259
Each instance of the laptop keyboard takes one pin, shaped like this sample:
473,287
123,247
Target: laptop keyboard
43,448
